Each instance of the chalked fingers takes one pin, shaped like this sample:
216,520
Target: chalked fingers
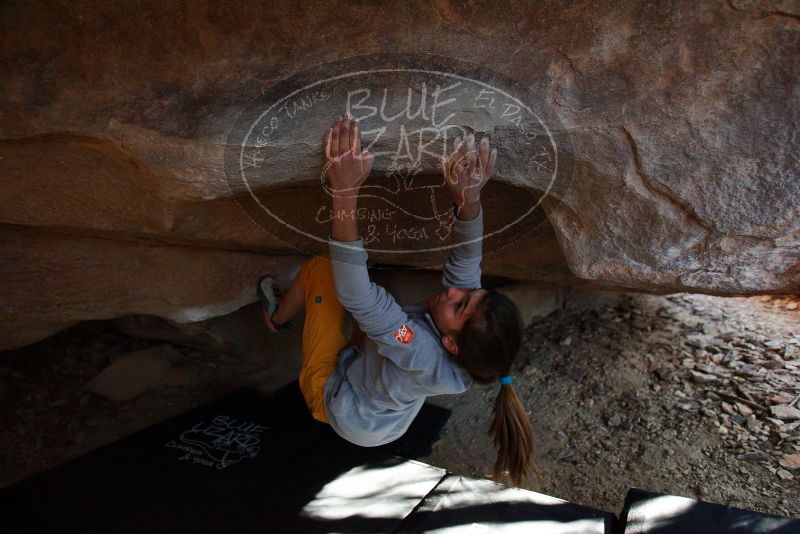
344,137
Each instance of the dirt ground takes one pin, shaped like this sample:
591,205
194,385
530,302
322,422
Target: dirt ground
675,394
614,403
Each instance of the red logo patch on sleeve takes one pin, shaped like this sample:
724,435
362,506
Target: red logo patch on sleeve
404,334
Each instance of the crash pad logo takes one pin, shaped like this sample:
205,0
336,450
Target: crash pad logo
219,443
410,108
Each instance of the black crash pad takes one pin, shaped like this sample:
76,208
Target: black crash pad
243,463
475,505
654,513
250,463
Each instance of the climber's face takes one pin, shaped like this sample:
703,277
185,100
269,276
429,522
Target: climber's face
451,309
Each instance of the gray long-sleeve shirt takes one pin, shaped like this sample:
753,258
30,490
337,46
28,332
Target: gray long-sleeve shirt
379,386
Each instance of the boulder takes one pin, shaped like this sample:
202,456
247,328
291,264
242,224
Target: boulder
52,281
675,129
534,301
132,374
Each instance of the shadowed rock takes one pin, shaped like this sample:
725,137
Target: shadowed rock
678,126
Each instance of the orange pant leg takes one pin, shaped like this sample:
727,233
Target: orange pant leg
323,332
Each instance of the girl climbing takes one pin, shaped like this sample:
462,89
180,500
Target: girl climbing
370,388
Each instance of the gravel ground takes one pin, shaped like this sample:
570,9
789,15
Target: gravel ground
670,394
681,394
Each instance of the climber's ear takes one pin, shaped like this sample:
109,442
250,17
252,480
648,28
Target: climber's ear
450,345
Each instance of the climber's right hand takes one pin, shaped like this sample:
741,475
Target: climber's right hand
346,165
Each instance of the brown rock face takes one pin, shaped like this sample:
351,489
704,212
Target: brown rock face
654,148
51,281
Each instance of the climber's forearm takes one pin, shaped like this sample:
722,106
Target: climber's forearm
344,226
463,266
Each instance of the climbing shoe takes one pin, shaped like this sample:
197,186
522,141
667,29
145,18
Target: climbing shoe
269,295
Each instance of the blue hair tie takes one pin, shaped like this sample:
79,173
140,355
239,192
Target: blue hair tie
505,379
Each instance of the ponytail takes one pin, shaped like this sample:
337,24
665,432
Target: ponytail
488,344
513,437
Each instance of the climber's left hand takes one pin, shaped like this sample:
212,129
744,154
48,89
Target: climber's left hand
468,169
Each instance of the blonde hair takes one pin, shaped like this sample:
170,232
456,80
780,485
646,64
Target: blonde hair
488,344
